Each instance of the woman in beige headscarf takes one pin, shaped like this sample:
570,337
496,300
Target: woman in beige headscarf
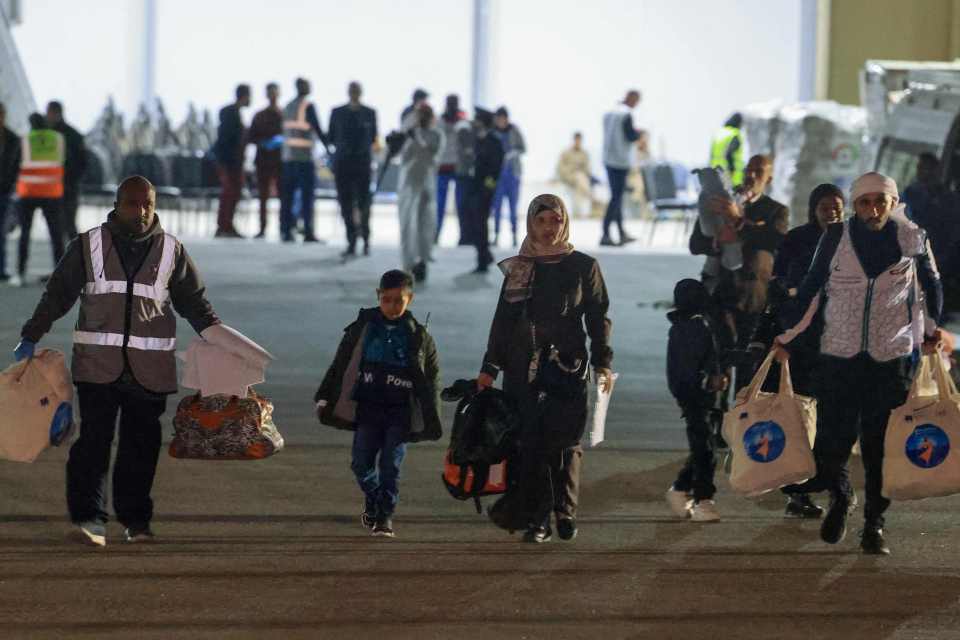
552,298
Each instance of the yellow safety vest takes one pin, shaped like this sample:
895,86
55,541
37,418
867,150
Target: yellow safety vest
718,154
41,166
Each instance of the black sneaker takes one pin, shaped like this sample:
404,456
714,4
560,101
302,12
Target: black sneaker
607,241
872,542
139,534
419,271
800,505
834,527
367,518
626,239
566,528
383,528
538,535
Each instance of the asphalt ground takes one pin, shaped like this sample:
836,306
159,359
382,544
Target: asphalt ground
274,549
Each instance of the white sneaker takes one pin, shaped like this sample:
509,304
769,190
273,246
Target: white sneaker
680,503
705,511
92,534
16,281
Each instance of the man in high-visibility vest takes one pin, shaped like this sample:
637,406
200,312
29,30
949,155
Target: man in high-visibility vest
40,185
130,277
726,150
301,129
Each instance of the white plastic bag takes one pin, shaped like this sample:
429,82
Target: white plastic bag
31,392
601,402
770,435
919,460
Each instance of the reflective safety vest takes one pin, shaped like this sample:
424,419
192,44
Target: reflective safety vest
883,316
41,166
298,135
132,317
718,154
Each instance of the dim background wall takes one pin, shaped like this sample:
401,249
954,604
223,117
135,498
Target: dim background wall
558,64
888,30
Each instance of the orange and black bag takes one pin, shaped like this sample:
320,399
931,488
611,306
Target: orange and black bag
482,443
222,427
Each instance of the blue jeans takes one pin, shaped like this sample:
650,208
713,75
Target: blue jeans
380,482
618,182
508,186
296,177
443,185
4,207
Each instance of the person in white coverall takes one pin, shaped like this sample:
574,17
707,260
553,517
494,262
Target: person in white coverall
417,192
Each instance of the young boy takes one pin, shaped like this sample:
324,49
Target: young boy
694,377
384,385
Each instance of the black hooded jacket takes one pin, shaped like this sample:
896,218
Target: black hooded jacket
692,355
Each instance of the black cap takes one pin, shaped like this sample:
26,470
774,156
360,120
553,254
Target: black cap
690,295
485,116
420,94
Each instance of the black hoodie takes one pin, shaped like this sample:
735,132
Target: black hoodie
692,355
187,292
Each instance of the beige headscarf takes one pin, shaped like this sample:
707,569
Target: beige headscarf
519,269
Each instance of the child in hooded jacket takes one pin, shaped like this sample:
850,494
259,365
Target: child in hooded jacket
694,376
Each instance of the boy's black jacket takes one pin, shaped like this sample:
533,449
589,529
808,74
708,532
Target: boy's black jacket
336,390
692,354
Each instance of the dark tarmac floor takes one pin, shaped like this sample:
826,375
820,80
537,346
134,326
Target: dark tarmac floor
274,549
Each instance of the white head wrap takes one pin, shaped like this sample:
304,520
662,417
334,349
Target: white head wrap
873,182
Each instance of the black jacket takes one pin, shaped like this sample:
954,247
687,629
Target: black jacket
352,132
187,291
231,137
692,355
10,154
75,164
336,407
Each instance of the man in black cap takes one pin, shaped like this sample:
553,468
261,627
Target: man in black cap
488,161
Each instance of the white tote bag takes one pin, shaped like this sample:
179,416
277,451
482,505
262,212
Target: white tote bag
31,392
770,435
919,456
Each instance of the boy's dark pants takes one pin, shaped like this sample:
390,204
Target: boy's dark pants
137,453
696,476
380,430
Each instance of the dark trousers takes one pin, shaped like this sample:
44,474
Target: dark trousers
566,486
508,188
696,476
137,453
443,186
4,208
51,213
297,176
617,178
68,216
855,398
268,182
353,194
231,186
480,219
379,437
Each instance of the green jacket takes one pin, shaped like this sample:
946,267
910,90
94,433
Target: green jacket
334,399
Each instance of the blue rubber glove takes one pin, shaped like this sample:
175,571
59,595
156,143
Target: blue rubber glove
24,350
62,425
273,143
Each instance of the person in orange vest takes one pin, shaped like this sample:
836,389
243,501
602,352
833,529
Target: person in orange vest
40,185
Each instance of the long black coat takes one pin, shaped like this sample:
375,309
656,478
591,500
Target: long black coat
569,303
